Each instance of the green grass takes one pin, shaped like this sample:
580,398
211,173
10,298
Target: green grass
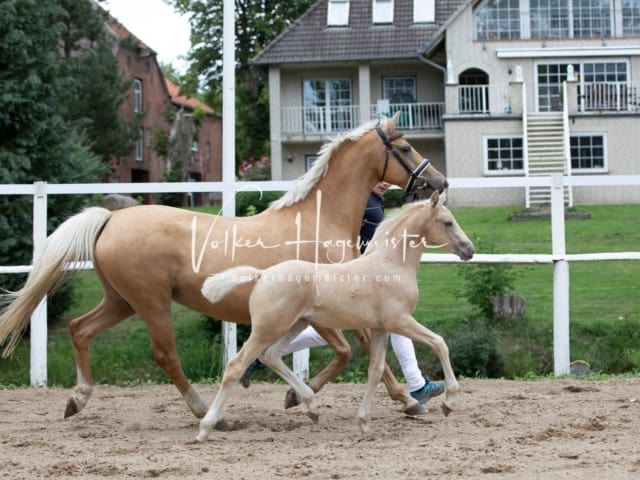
604,304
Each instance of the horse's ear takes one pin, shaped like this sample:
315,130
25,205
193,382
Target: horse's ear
435,199
443,197
391,123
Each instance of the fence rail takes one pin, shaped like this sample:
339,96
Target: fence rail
558,256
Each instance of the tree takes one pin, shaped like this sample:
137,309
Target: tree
47,135
257,23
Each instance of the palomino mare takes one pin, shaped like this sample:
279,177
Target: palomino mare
377,291
145,256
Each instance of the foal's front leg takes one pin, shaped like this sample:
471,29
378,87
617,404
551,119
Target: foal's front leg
397,391
378,346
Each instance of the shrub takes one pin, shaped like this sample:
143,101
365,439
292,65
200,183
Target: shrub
482,282
251,203
474,349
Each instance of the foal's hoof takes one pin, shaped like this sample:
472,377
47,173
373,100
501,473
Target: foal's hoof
446,409
291,399
72,408
222,426
313,416
415,409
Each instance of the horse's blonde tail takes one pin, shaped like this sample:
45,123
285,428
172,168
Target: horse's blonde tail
216,286
73,241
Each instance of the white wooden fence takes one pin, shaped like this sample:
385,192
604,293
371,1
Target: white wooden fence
557,257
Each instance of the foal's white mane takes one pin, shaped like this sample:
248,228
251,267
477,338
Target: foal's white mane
320,168
390,223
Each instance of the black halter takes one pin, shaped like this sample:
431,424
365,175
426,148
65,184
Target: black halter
413,174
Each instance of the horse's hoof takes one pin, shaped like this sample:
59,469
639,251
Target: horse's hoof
222,426
291,399
72,408
415,409
446,409
202,436
313,416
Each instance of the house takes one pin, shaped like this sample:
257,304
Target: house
152,104
481,86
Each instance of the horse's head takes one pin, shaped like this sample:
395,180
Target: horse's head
443,229
423,178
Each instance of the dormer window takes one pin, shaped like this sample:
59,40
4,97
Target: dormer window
338,13
382,11
424,11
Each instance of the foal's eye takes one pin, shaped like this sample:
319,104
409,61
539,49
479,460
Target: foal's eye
448,224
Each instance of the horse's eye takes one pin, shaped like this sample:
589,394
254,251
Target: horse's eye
448,224
406,148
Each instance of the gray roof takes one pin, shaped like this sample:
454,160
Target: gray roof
309,39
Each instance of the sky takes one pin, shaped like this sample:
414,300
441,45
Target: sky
156,24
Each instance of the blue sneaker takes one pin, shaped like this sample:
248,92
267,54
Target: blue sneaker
430,390
246,376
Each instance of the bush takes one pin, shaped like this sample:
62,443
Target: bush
482,282
252,203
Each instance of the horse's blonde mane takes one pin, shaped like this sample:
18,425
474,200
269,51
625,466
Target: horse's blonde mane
306,182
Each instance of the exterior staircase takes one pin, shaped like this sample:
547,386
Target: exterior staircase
545,150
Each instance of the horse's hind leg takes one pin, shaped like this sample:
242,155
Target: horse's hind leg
342,351
108,313
396,390
158,320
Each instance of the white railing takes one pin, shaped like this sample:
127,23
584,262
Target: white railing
558,256
414,115
484,99
608,97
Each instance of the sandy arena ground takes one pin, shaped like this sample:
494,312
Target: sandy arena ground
551,429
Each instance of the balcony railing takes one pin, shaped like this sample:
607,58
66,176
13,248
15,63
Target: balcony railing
320,120
608,97
484,99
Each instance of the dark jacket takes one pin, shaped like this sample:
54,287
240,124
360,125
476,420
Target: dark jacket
373,216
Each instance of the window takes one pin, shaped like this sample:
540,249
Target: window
588,152
473,96
147,137
401,93
631,17
382,11
591,18
137,95
207,151
327,106
140,145
549,78
498,19
549,18
309,160
503,155
338,13
424,11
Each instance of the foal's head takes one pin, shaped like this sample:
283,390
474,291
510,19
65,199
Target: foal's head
442,228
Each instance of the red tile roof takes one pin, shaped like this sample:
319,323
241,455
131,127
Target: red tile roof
190,102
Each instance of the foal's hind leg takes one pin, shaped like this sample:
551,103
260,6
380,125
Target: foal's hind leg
111,311
396,390
342,351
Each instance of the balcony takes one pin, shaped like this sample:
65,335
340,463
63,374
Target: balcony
608,97
323,120
484,100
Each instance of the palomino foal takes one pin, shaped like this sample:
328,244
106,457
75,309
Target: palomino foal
377,291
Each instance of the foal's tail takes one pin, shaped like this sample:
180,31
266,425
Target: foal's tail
73,241
216,286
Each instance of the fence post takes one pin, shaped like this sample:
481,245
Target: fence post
560,280
38,371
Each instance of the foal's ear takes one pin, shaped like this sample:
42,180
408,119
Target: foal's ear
435,199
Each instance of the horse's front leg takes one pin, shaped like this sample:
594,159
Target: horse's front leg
342,352
397,391
378,347
410,327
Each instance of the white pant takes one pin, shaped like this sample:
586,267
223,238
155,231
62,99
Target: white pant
402,347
